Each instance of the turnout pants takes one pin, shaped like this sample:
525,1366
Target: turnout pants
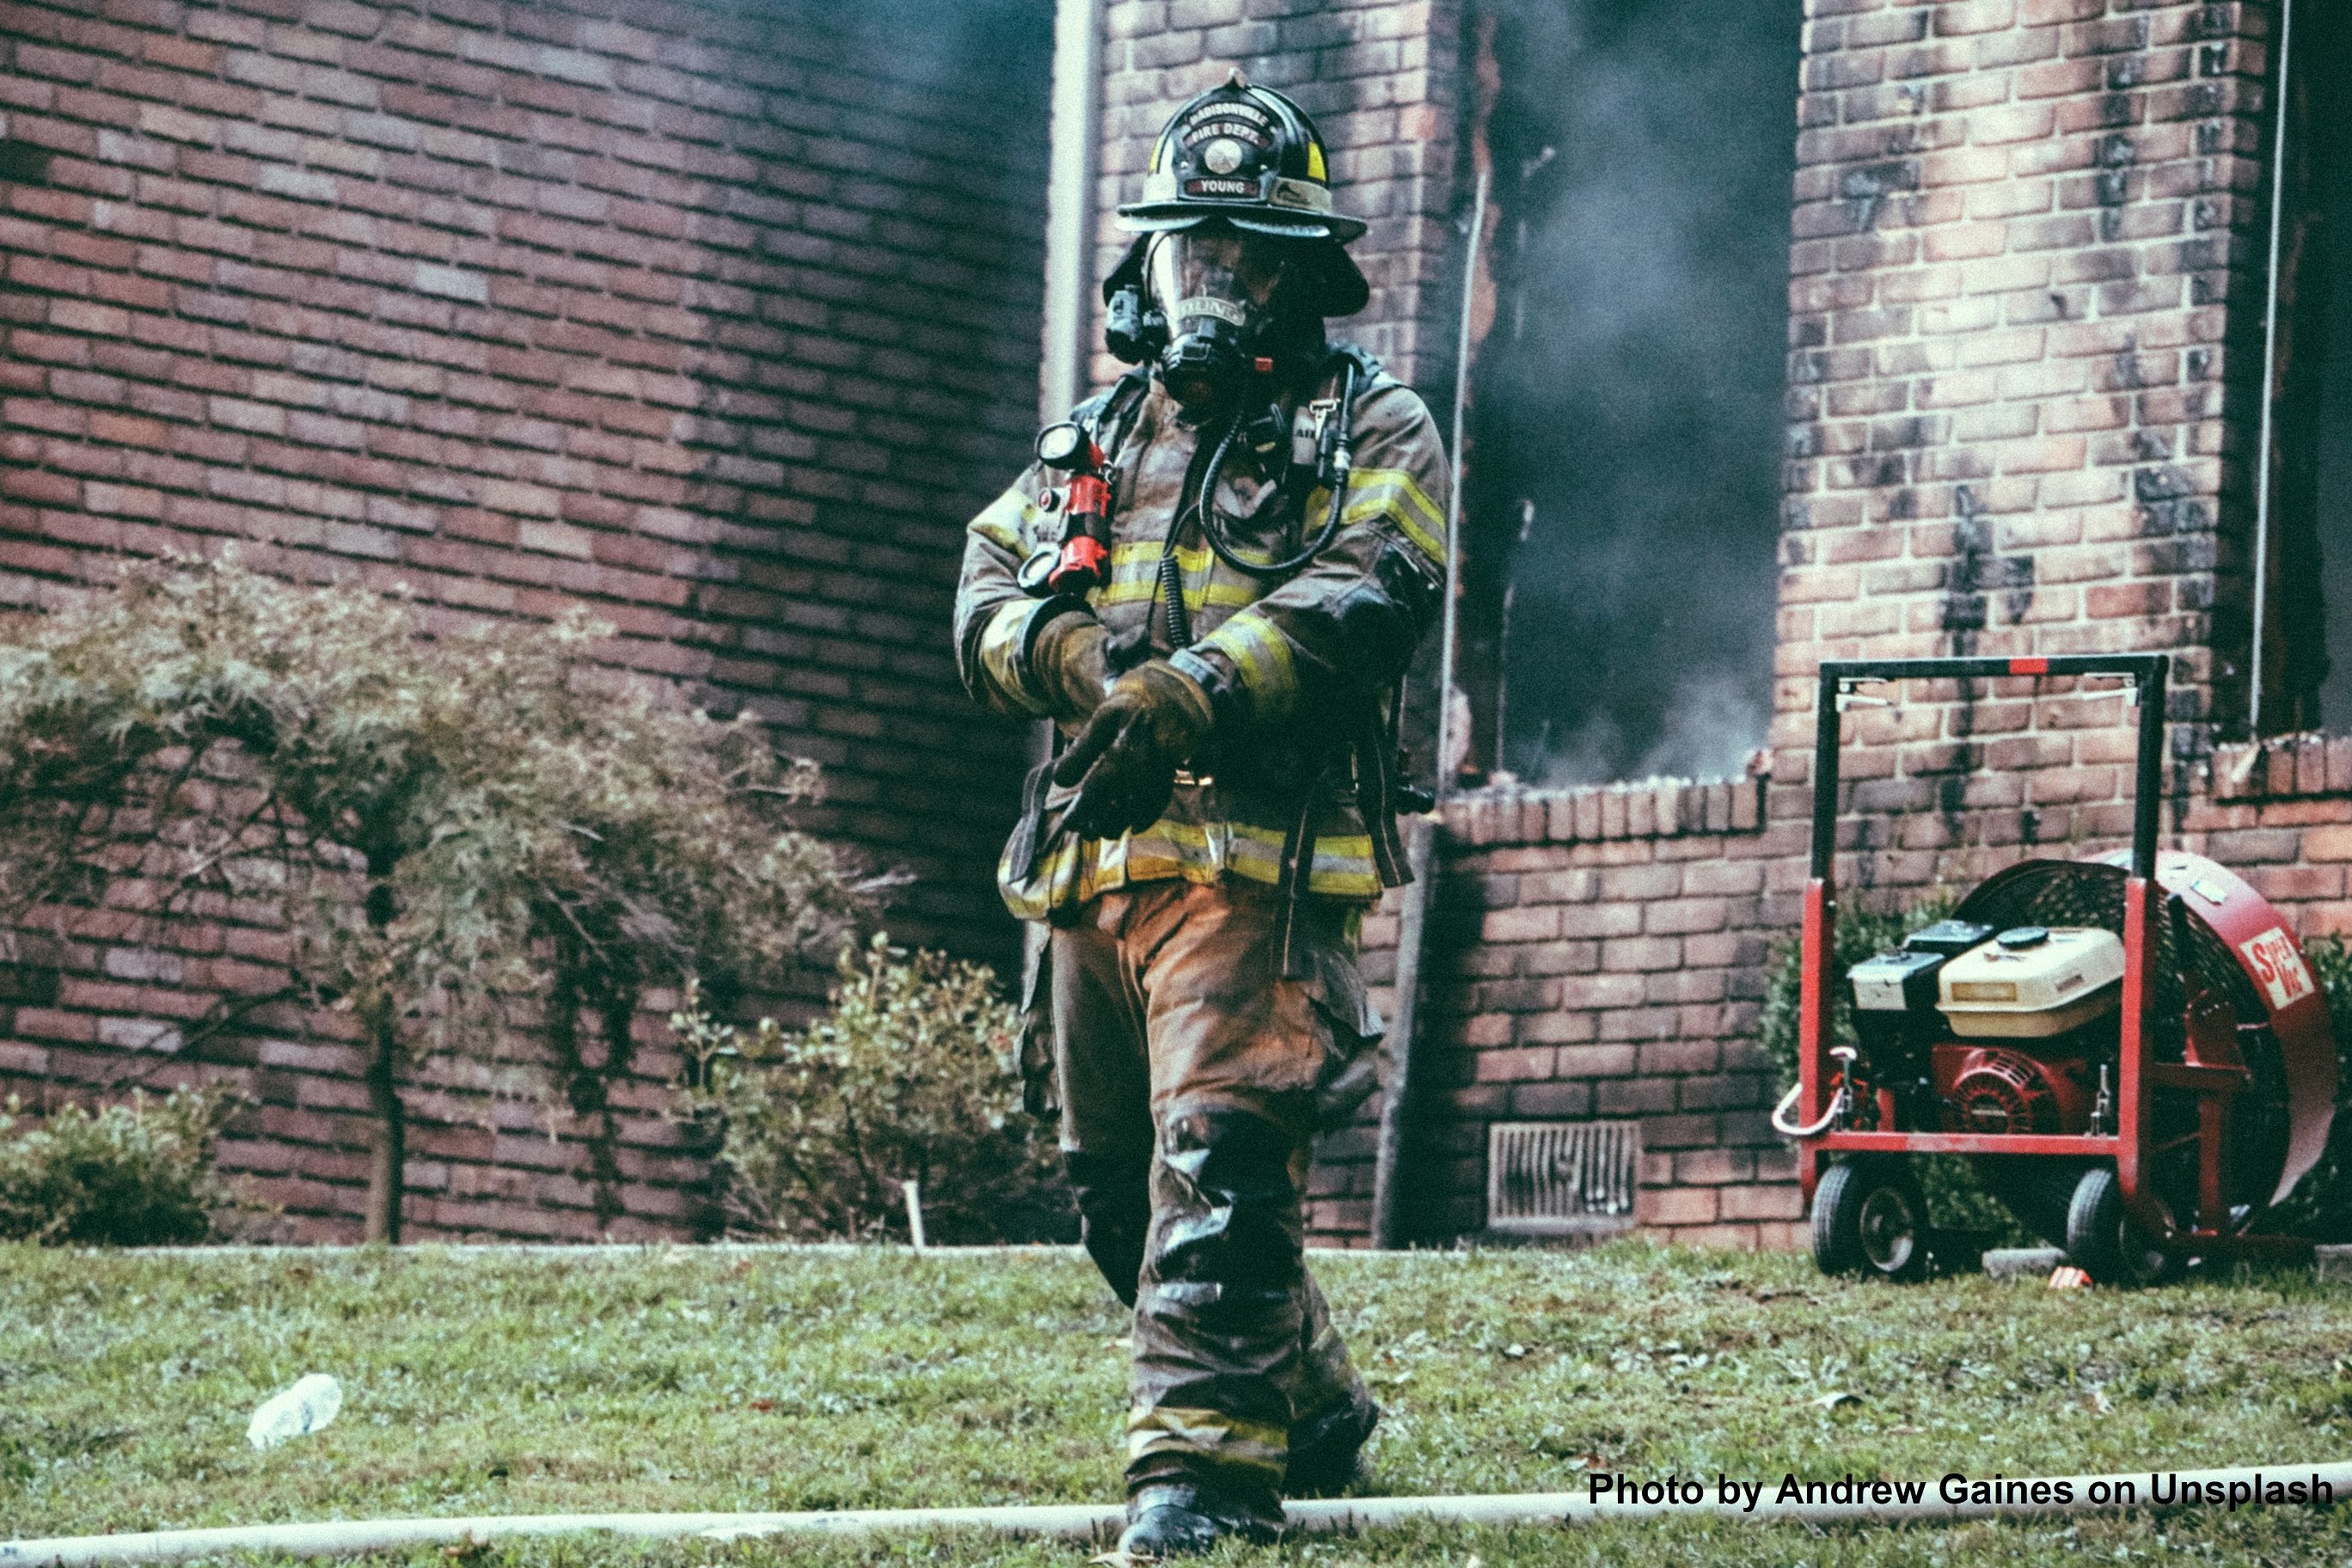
1190,1074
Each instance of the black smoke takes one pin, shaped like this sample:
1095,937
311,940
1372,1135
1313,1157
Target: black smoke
2323,49
1624,478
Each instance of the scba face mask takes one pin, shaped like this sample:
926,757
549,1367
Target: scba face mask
1216,288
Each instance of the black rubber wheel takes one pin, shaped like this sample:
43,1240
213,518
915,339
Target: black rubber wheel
2104,1241
1870,1218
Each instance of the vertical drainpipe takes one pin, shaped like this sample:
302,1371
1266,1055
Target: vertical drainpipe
1422,835
1066,348
1070,206
2262,458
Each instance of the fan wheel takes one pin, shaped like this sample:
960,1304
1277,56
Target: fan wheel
2185,957
1870,1218
2105,1241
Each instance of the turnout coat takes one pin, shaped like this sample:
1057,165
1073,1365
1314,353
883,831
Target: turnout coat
1299,669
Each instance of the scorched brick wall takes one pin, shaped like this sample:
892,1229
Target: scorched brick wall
718,318
2025,311
2024,232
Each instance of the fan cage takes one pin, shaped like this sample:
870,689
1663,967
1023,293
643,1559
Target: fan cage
2185,955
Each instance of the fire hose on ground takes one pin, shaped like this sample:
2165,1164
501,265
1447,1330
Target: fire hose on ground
2232,1489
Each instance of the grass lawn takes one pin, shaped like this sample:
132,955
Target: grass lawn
678,1380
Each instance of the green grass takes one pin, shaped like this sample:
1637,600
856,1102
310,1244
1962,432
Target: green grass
716,1381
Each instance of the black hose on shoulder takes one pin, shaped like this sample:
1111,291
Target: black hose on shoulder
1336,469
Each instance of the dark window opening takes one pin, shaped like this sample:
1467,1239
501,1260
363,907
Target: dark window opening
2305,654
1622,500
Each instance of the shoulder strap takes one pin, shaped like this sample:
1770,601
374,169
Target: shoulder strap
1114,406
1368,368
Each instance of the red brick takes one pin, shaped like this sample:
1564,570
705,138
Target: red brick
1753,1202
1676,1205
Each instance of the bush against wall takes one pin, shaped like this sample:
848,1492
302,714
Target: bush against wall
913,1074
479,844
133,1174
2321,1205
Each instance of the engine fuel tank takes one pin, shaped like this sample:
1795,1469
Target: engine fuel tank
2032,981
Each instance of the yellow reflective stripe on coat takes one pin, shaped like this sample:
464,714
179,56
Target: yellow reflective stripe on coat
1343,861
1131,585
1000,656
1006,523
1261,656
1192,557
1034,892
1073,872
1392,493
1135,577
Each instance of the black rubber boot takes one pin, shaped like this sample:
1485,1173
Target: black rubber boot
1179,1519
1327,1456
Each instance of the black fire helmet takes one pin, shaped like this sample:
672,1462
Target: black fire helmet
1249,156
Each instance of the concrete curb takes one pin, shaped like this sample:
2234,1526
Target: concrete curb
2036,1262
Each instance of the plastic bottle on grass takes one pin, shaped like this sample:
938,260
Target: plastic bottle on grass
309,1404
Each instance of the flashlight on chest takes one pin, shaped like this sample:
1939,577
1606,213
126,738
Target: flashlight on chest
1082,560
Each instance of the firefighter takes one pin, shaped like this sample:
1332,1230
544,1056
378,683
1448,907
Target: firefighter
1212,585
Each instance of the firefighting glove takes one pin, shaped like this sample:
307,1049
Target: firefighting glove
1124,762
1069,664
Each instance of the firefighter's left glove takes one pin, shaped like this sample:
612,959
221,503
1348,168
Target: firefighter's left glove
1124,762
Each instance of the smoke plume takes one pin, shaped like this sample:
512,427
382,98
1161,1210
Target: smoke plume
1624,476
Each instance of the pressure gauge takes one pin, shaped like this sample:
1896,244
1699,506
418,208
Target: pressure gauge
1063,446
1037,571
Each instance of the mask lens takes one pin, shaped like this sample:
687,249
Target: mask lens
1213,286
1239,270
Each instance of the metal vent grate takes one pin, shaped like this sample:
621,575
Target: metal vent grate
1561,1178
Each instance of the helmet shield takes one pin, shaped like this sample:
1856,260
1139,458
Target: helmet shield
1215,272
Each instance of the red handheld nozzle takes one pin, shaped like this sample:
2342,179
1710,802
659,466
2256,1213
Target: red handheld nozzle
1081,567
1086,496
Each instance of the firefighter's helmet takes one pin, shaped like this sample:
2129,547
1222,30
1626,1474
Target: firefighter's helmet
1249,156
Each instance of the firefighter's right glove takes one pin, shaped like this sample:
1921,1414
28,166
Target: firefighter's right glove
1124,762
1069,664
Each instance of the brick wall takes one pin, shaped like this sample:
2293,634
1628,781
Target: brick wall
2021,228
525,306
1592,953
2281,813
721,321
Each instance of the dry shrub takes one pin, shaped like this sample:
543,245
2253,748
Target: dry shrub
911,1075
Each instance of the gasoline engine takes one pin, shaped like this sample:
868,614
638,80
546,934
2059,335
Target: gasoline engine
1995,1031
